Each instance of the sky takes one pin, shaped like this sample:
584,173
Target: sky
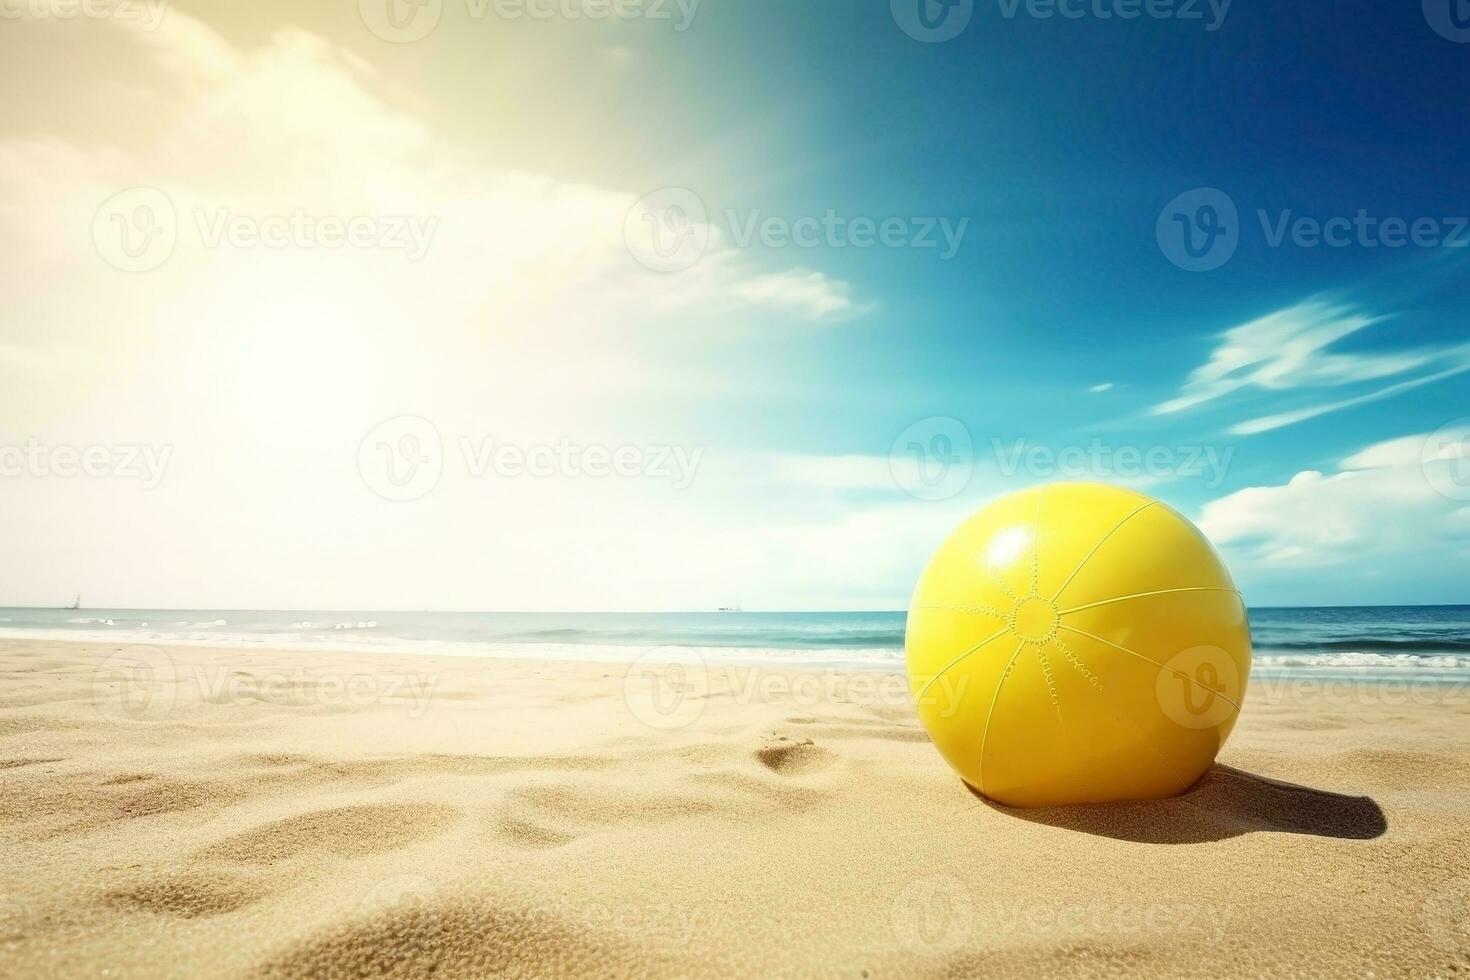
569,304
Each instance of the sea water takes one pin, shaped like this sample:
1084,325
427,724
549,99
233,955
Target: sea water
1419,642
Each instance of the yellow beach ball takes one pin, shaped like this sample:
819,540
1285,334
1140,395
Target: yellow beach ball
1078,643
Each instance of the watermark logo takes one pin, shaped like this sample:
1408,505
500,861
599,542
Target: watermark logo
932,21
933,915
401,21
1199,230
136,230
1445,460
138,684
668,230
666,688
671,229
1449,18
933,459
402,459
1199,687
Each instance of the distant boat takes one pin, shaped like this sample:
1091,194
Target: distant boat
730,609
78,603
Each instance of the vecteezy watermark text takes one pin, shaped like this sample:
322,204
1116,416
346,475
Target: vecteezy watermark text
145,463
148,14
837,231
670,230
935,459
403,459
938,913
1201,229
406,21
406,233
936,21
1210,13
669,687
138,230
564,458
146,684
1098,459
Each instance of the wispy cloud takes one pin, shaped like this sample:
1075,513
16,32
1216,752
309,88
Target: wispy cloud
1266,423
807,293
1291,350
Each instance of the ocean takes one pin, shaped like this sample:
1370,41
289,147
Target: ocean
1420,642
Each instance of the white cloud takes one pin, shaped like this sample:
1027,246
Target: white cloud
1266,423
1291,350
1395,506
811,294
1099,389
301,120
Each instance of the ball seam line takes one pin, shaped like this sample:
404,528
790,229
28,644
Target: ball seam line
1005,675
1144,595
974,649
1095,548
1135,653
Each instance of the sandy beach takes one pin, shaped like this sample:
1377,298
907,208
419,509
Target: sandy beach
258,814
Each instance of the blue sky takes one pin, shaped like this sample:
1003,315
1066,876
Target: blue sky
1304,401
1062,141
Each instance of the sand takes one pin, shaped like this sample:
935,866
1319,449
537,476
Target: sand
211,813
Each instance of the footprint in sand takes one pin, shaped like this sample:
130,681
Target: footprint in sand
78,804
794,758
546,816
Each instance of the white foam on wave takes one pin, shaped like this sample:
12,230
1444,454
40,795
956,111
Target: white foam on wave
1365,660
354,641
364,637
